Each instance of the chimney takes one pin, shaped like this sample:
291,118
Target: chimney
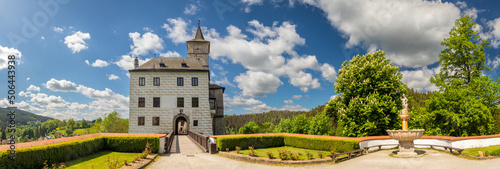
136,63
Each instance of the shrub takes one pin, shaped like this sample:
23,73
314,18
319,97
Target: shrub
320,154
252,151
283,154
125,162
270,154
132,144
294,156
495,152
486,153
321,143
238,149
309,155
112,164
54,166
260,141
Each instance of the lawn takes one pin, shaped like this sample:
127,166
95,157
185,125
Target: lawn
100,160
79,131
474,151
262,152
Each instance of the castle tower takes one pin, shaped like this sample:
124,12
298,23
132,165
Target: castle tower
199,48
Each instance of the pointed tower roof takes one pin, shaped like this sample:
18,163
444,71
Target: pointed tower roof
198,36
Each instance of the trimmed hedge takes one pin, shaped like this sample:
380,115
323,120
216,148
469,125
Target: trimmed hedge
265,141
245,141
34,157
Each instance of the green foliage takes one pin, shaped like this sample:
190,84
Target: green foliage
22,117
71,123
238,149
468,100
249,128
368,104
284,126
251,151
300,124
34,157
270,154
113,123
320,124
84,123
495,152
261,141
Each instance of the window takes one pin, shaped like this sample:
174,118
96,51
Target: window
180,81
156,121
195,123
156,102
162,65
142,102
212,104
184,65
140,121
180,102
142,81
194,102
194,81
156,81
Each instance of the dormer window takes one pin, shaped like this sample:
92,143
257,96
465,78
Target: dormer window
162,65
184,65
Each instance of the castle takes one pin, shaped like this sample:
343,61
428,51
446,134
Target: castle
175,94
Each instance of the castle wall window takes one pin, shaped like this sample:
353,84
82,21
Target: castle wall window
142,102
194,81
156,81
156,102
195,123
156,121
212,104
140,121
180,102
142,81
180,81
194,102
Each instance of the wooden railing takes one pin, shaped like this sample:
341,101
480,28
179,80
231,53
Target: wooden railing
200,139
168,141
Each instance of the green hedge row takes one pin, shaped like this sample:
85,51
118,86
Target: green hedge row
34,157
265,141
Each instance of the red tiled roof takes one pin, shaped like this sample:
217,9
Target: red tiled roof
58,140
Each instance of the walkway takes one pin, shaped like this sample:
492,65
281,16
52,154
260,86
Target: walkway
380,159
183,145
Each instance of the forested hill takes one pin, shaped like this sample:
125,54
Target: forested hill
237,121
22,117
417,99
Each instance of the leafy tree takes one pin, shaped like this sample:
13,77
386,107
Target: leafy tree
467,99
69,130
37,132
368,103
64,123
249,128
71,123
300,124
84,123
99,120
284,126
50,125
266,127
113,123
320,125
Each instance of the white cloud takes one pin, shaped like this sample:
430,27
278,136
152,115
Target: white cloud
76,42
4,56
33,88
296,97
288,101
87,62
257,84
177,30
61,85
191,9
170,54
333,97
98,63
147,29
304,81
294,108
113,77
256,106
328,72
42,37
127,62
494,34
27,79
408,31
419,79
58,29
494,63
224,82
145,43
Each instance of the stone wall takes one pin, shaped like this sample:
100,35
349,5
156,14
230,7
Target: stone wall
168,91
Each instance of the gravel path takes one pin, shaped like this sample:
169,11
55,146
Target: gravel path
380,159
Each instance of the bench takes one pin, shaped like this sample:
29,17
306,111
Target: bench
349,154
459,150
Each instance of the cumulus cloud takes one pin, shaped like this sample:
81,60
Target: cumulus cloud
4,56
176,29
58,29
288,101
224,82
76,41
170,54
113,77
191,9
494,63
419,79
257,84
145,43
256,106
127,62
33,88
407,31
61,85
98,63
493,35
296,97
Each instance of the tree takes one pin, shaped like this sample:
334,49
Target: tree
249,128
320,125
467,99
71,123
113,123
84,123
69,130
284,126
37,132
300,124
368,103
50,125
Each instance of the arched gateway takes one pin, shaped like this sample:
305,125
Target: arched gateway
181,123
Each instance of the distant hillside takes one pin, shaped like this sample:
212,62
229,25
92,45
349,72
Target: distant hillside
22,117
237,121
417,99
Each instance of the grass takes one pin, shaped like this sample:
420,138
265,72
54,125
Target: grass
475,151
263,152
79,131
99,160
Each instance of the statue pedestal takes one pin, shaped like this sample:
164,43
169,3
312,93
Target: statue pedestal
406,149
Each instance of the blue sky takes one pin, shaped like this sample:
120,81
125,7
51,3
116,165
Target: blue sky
270,55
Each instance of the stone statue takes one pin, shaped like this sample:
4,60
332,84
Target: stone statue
404,101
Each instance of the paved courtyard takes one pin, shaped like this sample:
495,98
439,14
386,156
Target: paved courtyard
380,159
